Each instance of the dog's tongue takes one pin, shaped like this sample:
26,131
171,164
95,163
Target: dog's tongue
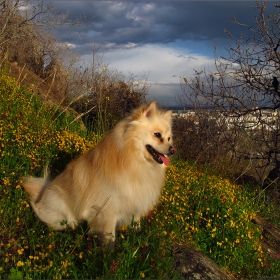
164,160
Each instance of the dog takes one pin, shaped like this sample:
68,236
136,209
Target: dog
119,180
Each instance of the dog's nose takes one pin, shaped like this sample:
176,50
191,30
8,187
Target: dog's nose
172,150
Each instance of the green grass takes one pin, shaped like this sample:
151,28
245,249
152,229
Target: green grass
197,209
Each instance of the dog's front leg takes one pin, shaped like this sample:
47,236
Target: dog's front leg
103,224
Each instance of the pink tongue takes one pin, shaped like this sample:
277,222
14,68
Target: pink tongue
164,160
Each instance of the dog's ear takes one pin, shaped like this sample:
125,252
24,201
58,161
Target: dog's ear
146,111
151,110
167,115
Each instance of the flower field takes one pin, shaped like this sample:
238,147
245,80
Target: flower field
195,209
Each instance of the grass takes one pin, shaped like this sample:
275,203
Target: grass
196,209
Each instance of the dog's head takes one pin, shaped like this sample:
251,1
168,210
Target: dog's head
154,133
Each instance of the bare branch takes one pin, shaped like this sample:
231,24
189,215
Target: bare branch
243,92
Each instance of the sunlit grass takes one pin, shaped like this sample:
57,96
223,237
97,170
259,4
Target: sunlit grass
212,214
195,209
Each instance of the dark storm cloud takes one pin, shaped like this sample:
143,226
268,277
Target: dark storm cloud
166,39
157,22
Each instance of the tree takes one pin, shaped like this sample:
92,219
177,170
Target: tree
26,33
26,39
243,93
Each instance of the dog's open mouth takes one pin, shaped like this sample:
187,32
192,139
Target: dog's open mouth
158,157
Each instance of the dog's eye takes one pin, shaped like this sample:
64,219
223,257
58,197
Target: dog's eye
158,135
168,139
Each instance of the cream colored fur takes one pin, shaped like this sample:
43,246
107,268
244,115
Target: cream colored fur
111,184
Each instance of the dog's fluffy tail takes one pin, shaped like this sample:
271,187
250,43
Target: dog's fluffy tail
35,186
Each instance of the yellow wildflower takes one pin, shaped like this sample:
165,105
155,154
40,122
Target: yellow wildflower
20,251
20,263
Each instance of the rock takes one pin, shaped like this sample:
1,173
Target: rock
271,237
193,264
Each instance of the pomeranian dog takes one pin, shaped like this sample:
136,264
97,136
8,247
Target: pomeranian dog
119,180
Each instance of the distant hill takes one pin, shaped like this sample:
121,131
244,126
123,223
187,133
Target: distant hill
175,107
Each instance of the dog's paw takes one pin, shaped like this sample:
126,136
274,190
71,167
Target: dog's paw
105,241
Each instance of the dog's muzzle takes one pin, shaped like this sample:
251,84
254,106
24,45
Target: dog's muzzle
158,157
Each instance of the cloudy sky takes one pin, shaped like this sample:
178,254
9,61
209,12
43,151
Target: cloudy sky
162,39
